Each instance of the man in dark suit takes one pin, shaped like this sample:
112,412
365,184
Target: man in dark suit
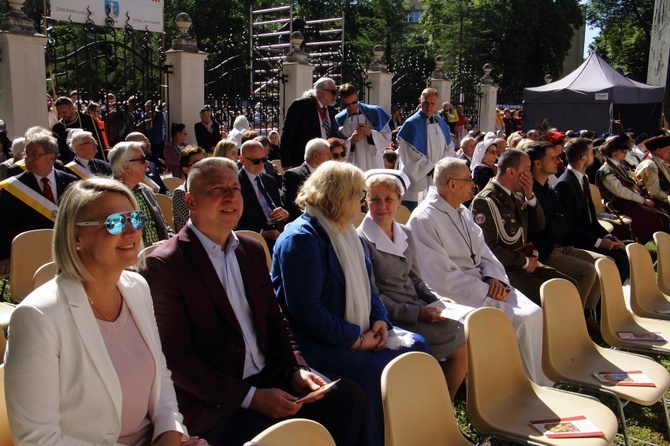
29,200
85,164
574,195
234,364
307,118
317,152
262,206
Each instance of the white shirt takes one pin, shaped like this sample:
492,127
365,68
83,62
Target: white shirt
52,182
226,267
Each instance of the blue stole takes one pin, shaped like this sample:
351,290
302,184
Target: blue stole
375,114
415,131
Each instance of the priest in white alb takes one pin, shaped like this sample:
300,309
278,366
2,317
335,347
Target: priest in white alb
455,261
424,140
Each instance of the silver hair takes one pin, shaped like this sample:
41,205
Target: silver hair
314,145
43,137
447,168
121,154
77,136
18,146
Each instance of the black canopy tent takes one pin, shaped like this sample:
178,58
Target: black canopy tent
591,97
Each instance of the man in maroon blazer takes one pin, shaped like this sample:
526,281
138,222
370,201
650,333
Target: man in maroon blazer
234,364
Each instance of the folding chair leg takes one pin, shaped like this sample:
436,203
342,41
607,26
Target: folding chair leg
666,417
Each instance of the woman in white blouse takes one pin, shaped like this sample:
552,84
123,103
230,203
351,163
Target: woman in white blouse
84,363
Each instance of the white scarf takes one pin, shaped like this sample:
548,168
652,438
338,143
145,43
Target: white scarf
349,252
382,242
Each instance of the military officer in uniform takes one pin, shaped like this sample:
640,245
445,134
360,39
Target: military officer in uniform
506,210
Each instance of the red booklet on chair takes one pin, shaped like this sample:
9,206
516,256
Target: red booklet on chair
570,427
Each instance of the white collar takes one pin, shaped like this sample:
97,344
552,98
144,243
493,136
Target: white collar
382,242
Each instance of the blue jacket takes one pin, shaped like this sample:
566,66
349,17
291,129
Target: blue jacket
309,283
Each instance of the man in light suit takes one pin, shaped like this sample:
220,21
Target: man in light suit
312,116
234,364
316,153
262,206
30,200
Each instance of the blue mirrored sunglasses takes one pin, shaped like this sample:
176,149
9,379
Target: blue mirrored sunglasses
115,223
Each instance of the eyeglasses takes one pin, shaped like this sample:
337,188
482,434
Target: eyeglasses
333,92
142,159
469,180
257,161
87,143
350,103
34,155
365,194
115,223
339,155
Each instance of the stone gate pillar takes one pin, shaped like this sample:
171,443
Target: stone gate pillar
381,82
185,65
489,91
22,73
297,75
439,80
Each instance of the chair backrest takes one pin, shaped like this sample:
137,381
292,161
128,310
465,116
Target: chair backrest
613,306
5,435
565,336
597,198
417,407
30,250
662,240
643,287
295,432
402,215
3,346
165,203
172,183
44,274
495,371
257,236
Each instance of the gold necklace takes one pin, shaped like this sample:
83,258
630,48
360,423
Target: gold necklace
98,310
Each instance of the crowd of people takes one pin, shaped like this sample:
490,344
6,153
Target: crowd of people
202,341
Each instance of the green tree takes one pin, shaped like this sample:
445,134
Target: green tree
522,39
625,34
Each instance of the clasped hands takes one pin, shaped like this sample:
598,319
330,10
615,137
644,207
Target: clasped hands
275,403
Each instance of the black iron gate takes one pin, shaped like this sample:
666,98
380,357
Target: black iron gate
97,60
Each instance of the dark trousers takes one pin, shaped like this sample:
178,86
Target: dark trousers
341,411
529,283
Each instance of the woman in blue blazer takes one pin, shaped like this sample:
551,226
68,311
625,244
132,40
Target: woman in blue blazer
322,278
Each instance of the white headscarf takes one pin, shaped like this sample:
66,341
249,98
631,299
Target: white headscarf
480,150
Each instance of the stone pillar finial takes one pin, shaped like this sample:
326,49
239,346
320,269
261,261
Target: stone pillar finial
296,54
184,42
548,79
439,72
16,21
377,64
486,79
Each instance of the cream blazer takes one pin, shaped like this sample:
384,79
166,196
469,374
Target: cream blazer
60,382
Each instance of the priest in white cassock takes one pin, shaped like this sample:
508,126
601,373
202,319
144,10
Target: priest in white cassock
456,262
424,140
366,129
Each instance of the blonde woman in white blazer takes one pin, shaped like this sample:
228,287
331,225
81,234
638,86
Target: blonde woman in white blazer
70,378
